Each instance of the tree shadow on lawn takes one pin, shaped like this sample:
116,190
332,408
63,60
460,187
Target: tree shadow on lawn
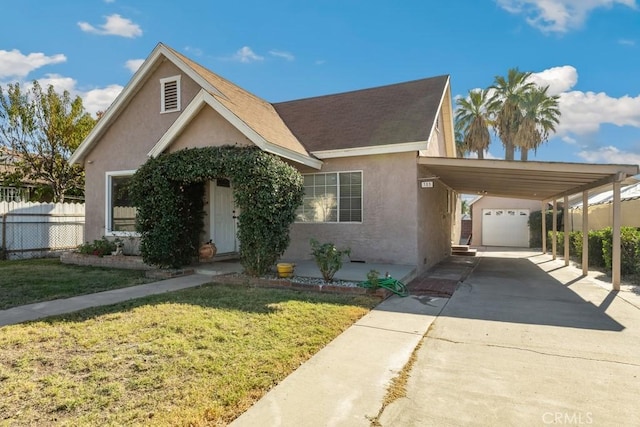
225,297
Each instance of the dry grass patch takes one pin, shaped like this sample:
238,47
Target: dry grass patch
35,280
195,357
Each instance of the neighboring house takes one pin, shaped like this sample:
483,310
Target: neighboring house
501,221
601,209
358,153
12,193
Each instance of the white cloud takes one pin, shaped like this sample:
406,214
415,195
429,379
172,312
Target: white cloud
93,100
14,64
584,112
610,154
133,64
559,79
627,42
100,99
569,140
282,54
196,51
60,83
246,55
115,25
558,16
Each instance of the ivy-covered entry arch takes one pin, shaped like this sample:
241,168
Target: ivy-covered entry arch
168,192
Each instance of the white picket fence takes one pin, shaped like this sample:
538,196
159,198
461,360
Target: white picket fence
30,230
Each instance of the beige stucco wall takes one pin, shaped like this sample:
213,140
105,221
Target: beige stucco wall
125,145
601,216
388,230
490,202
436,211
402,223
208,128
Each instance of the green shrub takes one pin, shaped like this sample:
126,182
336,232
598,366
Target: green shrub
535,227
99,248
328,258
168,192
629,247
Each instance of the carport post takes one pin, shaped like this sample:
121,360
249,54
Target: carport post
616,252
544,227
554,227
585,233
567,232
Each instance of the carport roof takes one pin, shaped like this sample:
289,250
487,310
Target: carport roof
522,180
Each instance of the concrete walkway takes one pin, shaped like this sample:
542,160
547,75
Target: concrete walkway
527,341
345,383
44,309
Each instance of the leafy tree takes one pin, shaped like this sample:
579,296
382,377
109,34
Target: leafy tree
506,104
472,120
42,129
540,116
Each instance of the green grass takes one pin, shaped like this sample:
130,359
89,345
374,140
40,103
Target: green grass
35,280
196,357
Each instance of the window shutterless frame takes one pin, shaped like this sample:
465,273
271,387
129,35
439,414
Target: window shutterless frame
332,198
109,199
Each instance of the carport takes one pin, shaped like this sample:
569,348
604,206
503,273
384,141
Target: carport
547,182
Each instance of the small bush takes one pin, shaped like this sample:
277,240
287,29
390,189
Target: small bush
328,258
535,227
100,247
630,249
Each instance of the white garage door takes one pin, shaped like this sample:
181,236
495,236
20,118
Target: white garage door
505,227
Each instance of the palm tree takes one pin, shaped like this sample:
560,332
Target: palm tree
505,104
472,121
461,148
540,116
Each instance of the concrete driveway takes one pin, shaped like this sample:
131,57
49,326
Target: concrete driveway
527,341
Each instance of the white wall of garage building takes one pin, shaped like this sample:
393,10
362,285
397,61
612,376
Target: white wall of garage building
500,221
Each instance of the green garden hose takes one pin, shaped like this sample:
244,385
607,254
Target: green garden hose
389,283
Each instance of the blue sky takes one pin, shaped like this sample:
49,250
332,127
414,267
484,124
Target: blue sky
588,51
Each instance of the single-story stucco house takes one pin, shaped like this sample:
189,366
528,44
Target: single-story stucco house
358,153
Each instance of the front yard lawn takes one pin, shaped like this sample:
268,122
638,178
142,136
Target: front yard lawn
196,357
35,280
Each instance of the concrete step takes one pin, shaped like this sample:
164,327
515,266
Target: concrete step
464,252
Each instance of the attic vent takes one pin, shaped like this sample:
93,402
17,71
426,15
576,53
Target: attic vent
170,94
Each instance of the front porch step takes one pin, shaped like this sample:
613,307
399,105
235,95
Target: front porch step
462,250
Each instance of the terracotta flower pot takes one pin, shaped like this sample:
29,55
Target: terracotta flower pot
208,251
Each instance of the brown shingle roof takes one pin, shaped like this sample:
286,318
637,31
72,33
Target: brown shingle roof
397,113
252,110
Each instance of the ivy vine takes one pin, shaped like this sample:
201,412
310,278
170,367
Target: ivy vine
168,192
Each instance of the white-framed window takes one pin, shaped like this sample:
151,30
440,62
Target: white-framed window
120,215
170,94
331,197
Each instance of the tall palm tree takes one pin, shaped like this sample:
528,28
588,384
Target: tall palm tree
505,104
540,116
472,121
461,148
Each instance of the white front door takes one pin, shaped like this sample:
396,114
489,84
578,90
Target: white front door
223,216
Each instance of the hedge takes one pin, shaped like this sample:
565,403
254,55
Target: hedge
601,247
168,192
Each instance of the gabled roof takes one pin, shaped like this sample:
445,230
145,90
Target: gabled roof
394,118
381,116
252,116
